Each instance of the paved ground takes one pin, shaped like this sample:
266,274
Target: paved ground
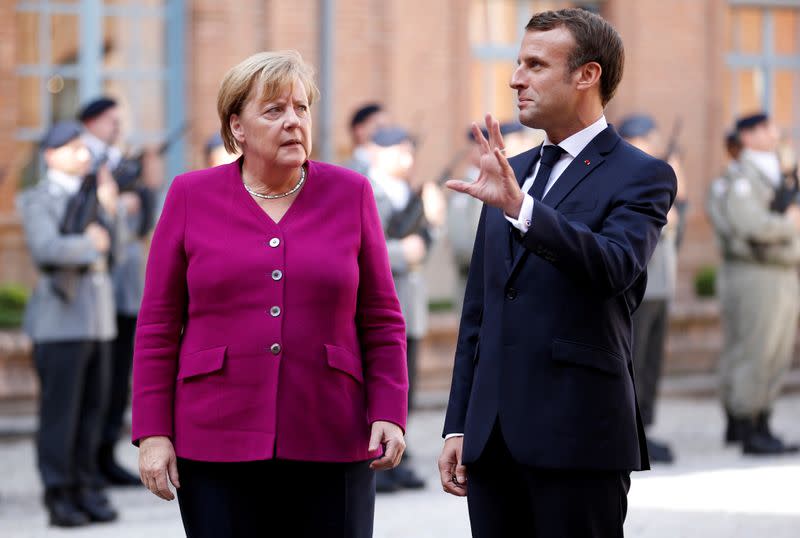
711,492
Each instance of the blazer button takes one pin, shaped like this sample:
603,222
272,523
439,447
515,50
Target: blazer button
274,242
275,348
275,311
511,294
277,274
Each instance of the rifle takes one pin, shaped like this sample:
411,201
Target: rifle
128,172
787,192
130,168
672,141
82,209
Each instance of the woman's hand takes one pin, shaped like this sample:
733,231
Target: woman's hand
391,435
158,466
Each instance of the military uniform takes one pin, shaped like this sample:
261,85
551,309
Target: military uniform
71,346
759,292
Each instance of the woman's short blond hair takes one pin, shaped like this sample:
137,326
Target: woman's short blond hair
273,72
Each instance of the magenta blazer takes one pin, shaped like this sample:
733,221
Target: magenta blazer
259,340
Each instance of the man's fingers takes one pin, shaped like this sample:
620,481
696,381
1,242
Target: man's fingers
461,186
173,472
495,137
445,473
454,489
479,138
461,475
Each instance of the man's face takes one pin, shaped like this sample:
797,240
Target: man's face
106,126
545,87
72,158
763,137
396,161
363,132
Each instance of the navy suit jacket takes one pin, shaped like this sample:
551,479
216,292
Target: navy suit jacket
544,344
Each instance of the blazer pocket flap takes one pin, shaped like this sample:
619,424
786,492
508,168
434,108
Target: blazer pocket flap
345,361
588,355
202,362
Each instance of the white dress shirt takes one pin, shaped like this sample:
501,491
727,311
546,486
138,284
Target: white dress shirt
71,184
572,146
766,161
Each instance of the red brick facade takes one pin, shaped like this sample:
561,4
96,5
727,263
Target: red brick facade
415,56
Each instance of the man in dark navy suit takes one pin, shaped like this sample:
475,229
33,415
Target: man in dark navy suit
542,427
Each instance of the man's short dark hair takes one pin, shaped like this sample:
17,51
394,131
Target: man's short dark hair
363,114
595,41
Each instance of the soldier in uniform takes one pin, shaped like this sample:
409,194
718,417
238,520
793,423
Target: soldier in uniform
101,122
759,289
463,213
651,319
408,240
70,319
363,125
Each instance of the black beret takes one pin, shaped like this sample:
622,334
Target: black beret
95,108
748,122
391,136
362,114
60,134
636,126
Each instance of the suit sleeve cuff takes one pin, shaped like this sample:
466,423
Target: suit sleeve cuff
523,222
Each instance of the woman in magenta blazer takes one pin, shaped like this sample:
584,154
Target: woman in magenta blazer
269,366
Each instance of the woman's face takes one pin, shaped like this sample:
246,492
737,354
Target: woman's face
278,131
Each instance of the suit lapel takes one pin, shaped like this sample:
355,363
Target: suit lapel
581,166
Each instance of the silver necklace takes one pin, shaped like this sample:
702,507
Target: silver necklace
283,194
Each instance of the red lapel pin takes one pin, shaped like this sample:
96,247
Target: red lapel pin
587,162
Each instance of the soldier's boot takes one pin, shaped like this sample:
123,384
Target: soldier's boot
757,442
95,504
62,510
762,423
734,429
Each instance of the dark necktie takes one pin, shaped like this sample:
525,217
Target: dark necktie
550,155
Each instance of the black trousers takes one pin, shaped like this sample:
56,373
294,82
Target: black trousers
649,339
412,352
73,377
507,499
120,385
276,498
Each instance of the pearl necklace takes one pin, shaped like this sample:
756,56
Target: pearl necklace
282,195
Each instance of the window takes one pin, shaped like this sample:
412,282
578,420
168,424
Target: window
764,62
71,51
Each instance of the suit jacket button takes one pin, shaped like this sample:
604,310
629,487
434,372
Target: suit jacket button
511,294
274,242
275,311
277,274
275,348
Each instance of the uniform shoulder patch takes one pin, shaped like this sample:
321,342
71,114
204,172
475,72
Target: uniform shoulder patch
742,187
